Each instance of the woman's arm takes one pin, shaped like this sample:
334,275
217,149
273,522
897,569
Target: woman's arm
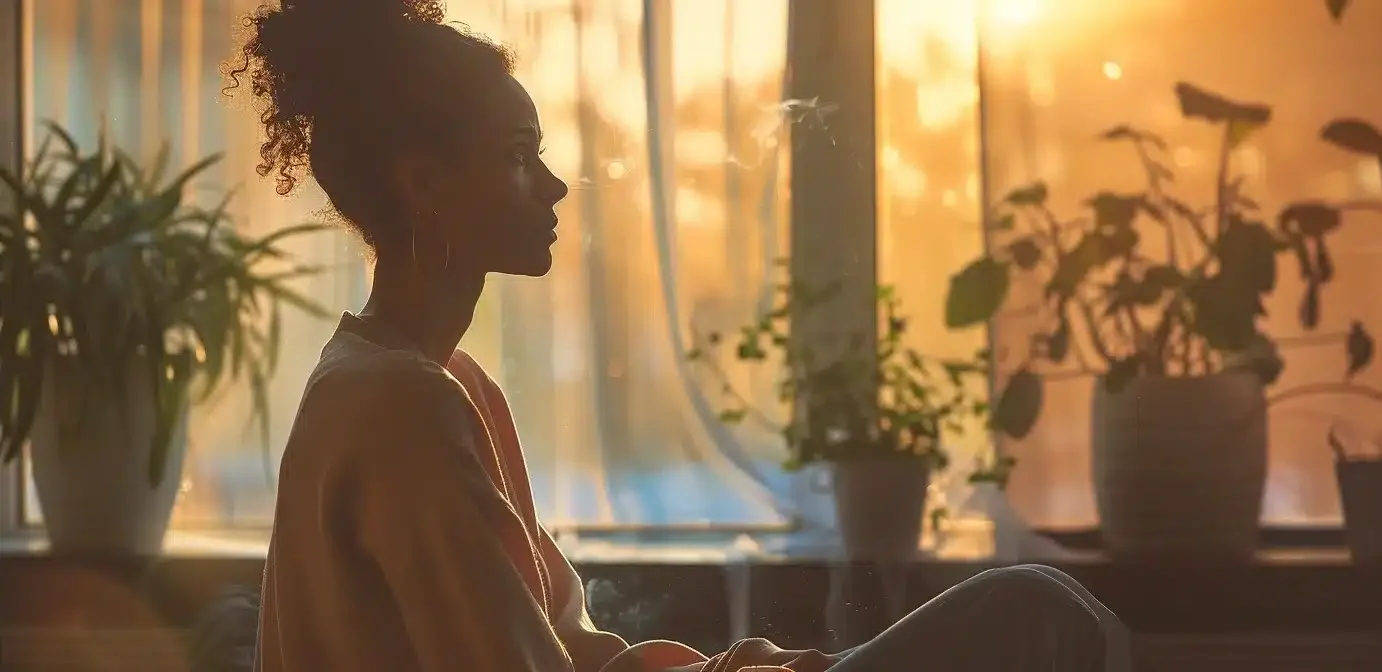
590,648
426,513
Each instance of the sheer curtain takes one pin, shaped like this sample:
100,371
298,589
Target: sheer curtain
677,158
1069,70
676,215
929,188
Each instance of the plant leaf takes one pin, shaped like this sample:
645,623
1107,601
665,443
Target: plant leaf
1336,8
1032,194
1225,311
1247,255
1025,253
1309,218
1354,135
1198,103
976,293
1120,373
1360,348
1058,345
1019,405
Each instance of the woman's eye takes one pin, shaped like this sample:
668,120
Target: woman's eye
525,153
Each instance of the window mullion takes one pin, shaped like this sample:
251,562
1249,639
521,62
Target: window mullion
834,220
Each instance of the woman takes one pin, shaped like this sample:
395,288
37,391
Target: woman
405,536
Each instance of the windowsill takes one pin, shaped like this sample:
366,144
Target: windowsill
1284,591
968,546
178,544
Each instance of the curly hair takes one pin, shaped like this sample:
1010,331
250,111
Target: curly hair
343,85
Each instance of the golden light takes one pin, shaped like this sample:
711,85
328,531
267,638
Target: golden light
1113,70
1014,13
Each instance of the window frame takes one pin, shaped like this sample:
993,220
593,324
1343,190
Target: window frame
831,53
14,17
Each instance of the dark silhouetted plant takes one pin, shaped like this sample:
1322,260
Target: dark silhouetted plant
1113,307
107,267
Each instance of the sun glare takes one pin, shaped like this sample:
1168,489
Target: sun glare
1014,14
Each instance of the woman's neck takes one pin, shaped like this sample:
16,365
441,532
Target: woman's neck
433,313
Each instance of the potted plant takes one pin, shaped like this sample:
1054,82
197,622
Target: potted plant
876,412
1359,476
1169,328
122,300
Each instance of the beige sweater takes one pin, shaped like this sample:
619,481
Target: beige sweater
405,536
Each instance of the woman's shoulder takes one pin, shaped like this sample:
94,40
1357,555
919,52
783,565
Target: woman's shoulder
359,388
360,397
354,366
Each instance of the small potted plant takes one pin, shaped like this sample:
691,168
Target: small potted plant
876,412
1169,328
1359,475
122,300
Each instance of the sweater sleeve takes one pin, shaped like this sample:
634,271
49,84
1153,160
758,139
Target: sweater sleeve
425,512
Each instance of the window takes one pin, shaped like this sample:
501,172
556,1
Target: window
1083,67
680,162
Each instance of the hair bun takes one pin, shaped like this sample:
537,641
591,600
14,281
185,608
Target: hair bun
425,11
315,52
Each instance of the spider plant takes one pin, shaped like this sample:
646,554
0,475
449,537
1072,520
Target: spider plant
111,269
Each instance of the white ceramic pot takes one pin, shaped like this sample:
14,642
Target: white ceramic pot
879,504
1180,465
90,462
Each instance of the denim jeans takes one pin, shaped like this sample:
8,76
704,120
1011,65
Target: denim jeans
1011,619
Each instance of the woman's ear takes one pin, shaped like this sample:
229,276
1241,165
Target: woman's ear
415,183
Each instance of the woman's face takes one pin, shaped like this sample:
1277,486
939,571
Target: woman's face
494,208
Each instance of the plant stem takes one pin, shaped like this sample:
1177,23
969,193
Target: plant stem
1221,182
1154,188
1367,206
1327,388
1095,338
740,400
1312,339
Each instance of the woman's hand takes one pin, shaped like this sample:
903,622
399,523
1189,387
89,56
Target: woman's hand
808,660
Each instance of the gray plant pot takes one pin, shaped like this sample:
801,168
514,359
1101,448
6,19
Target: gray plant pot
1180,465
879,505
90,463
1360,493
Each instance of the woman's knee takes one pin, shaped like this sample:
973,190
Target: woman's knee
1049,571
1040,575
1051,597
1032,589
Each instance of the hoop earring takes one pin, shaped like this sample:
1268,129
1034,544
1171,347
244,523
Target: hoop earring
446,261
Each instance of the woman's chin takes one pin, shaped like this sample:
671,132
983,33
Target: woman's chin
534,265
